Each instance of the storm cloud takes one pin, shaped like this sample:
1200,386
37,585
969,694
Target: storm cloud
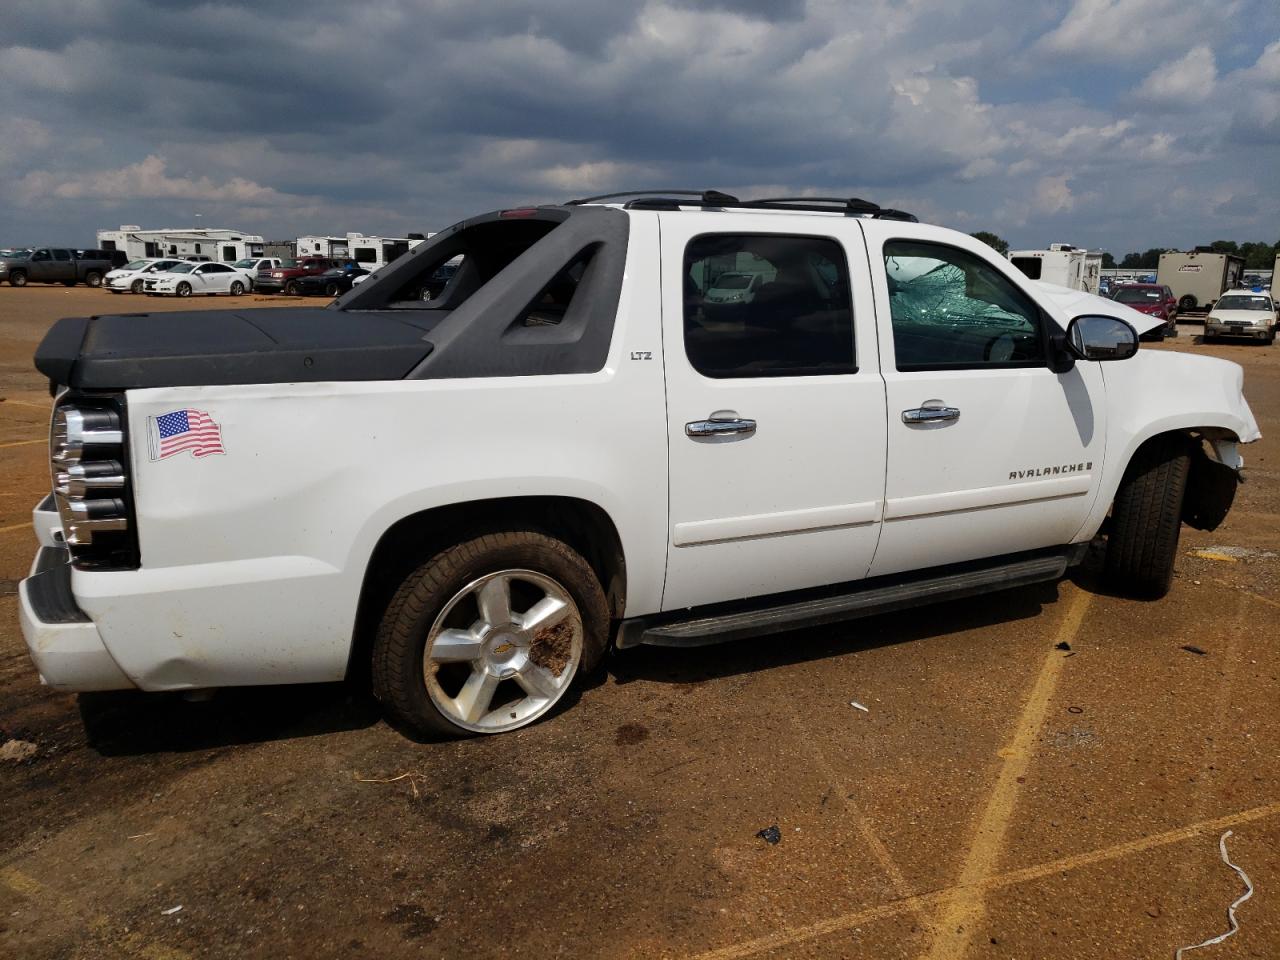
1124,124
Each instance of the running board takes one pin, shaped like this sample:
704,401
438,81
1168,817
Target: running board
865,602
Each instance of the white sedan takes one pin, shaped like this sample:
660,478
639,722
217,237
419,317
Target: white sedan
190,278
1242,313
130,278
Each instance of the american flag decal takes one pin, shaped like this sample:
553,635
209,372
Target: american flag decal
182,431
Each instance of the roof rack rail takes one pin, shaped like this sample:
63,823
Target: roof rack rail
670,200
706,197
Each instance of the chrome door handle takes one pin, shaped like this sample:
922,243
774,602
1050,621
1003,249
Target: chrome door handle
722,423
931,411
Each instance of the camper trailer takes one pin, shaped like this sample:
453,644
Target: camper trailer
370,252
1061,264
1198,278
226,246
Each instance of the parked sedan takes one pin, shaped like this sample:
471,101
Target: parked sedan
132,276
1155,300
191,277
331,283
1242,313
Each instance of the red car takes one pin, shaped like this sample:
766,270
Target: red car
1153,299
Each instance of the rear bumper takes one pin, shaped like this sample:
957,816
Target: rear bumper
63,642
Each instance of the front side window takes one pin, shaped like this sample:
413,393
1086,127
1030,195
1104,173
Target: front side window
763,305
953,310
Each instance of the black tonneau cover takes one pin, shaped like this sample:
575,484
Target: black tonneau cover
219,347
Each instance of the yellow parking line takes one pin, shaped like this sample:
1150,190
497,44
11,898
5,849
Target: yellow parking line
850,921
964,910
23,443
17,526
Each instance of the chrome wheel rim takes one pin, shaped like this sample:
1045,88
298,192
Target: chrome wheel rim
502,651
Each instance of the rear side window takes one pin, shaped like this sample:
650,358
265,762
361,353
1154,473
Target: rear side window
62,254
953,310
763,305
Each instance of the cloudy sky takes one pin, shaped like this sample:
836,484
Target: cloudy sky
1122,124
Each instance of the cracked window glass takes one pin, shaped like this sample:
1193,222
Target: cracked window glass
952,310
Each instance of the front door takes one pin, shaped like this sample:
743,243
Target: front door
776,423
990,451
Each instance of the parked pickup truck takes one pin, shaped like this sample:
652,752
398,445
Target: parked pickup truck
571,445
65,265
284,276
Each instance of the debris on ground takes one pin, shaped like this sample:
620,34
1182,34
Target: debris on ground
1231,910
1062,646
17,751
1214,555
172,910
1192,648
411,777
770,835
857,706
1075,709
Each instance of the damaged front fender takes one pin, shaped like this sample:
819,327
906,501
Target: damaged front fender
1211,486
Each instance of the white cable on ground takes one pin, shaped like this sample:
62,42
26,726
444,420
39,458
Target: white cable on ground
1231,910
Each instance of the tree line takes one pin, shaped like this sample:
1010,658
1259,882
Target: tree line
1257,256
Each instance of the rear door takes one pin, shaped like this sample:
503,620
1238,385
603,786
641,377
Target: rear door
776,422
990,451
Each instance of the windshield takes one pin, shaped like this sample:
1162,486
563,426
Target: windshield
733,281
245,264
184,267
1243,303
1137,295
136,264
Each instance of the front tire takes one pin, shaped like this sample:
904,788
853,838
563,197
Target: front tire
17,278
488,635
292,288
136,286
1146,518
183,290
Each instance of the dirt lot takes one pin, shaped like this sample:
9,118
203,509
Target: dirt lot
1001,798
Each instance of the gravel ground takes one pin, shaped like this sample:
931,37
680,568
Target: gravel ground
1001,797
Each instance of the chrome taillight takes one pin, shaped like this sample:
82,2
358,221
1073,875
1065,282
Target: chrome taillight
91,483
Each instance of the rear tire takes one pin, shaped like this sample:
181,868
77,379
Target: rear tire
332,290
292,289
442,597
237,288
1146,518
91,279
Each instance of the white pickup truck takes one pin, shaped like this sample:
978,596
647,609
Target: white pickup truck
469,490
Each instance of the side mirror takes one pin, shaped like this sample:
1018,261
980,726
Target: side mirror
1093,337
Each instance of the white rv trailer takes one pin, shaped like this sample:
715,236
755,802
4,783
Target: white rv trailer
226,246
370,252
1062,264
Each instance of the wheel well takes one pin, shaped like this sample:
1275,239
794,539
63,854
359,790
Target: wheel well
1211,484
414,539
